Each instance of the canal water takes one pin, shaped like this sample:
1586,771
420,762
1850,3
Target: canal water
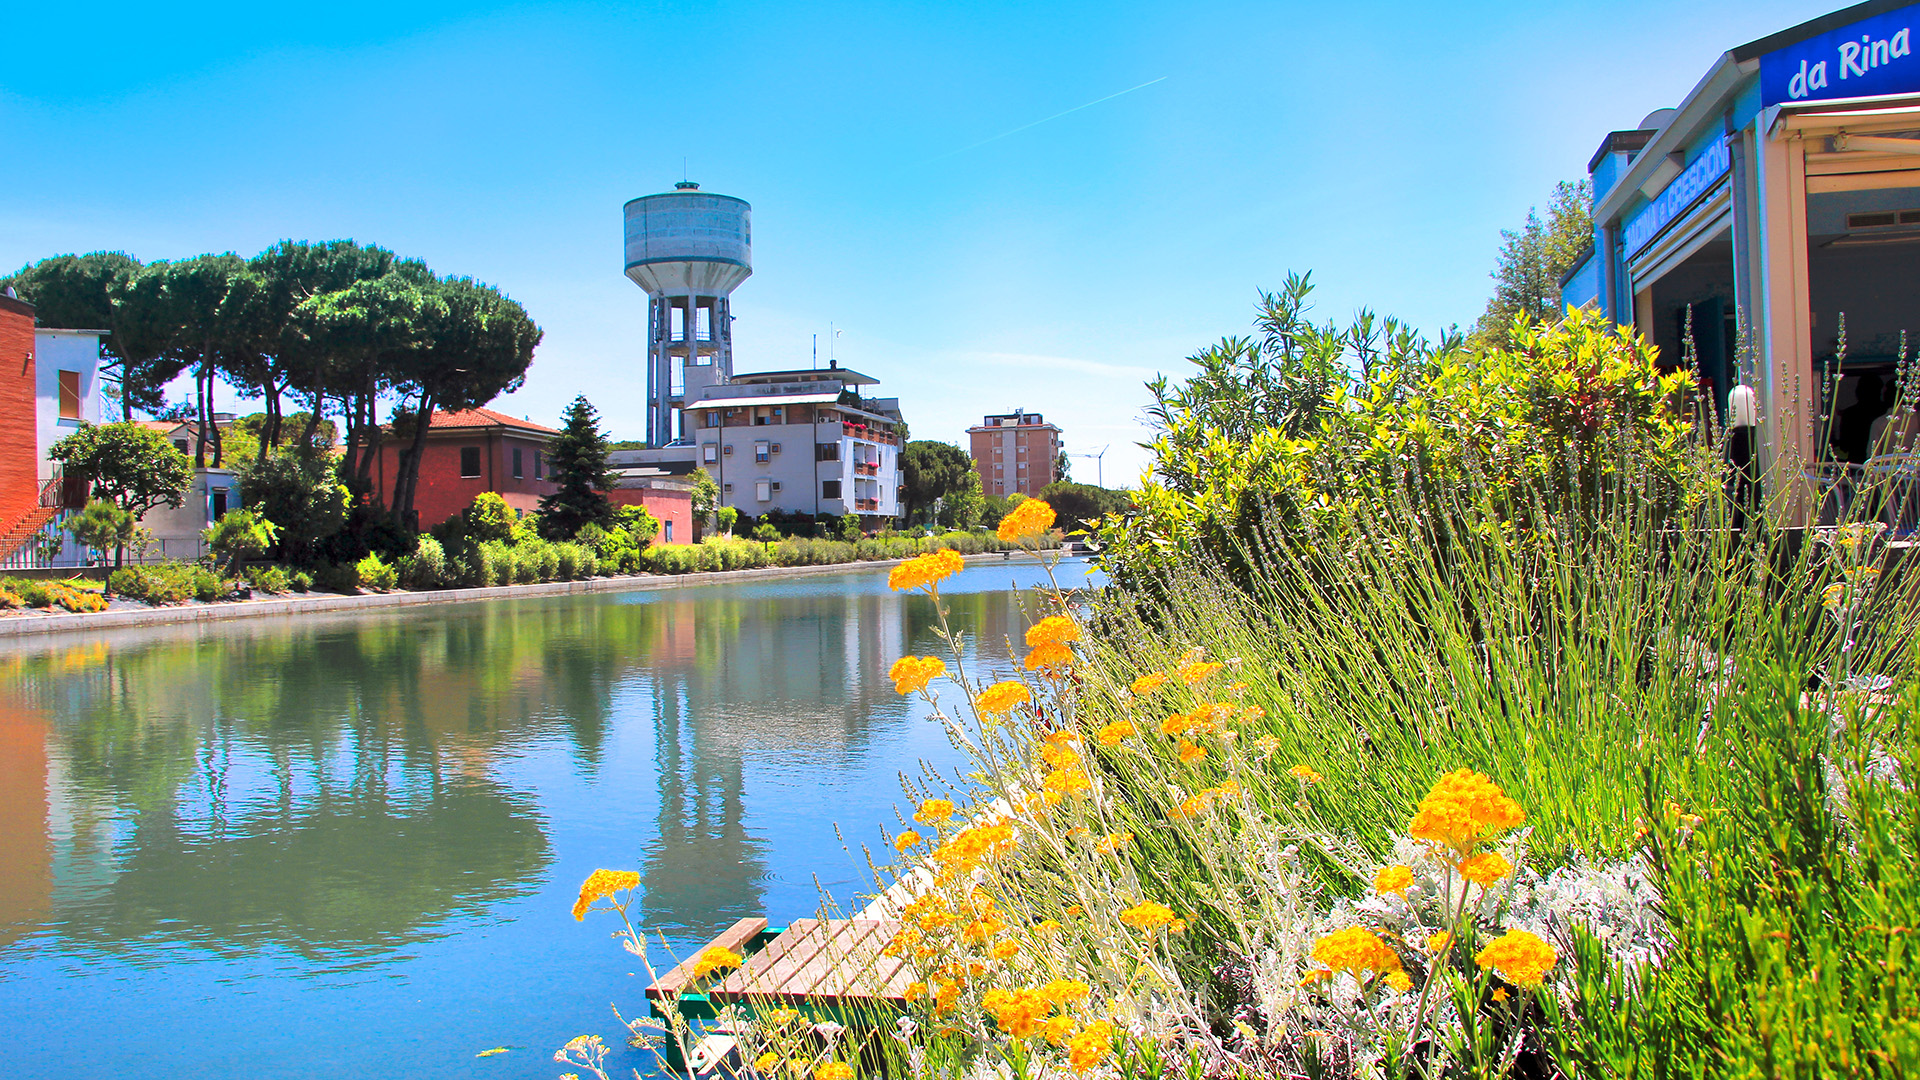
347,846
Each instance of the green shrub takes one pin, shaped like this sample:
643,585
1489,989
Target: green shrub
374,573
10,599
33,592
577,561
301,581
268,579
168,583
336,578
238,536
489,518
426,568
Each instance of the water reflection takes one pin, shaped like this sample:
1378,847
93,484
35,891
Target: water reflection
340,791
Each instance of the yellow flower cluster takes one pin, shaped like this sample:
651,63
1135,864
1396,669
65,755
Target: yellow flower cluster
971,847
1147,684
926,571
1113,842
1113,733
1393,879
1026,521
1485,868
1195,672
1018,1012
1089,1048
1048,658
834,1070
1000,698
1052,630
1190,754
1357,951
1521,958
1199,802
1148,916
714,958
934,811
905,840
1464,808
911,674
602,883
1305,774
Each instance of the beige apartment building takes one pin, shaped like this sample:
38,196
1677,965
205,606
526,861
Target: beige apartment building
1015,453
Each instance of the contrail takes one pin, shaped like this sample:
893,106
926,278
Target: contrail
1055,116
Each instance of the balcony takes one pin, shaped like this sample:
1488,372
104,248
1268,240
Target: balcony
866,468
862,431
871,506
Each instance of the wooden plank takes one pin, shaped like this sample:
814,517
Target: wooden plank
765,970
734,938
853,947
816,962
863,973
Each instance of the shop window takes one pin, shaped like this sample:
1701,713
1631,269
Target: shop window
519,471
469,462
829,489
69,395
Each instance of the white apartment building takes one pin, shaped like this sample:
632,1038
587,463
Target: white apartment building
800,442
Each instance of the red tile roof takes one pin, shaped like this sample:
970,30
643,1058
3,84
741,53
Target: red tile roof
484,418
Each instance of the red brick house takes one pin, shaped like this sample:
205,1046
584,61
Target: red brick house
466,453
20,511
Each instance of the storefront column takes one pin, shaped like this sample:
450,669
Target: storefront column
1789,393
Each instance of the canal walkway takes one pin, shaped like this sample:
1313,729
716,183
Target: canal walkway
23,624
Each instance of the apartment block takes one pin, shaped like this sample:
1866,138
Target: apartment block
1014,453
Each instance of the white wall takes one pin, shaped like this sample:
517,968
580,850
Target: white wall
55,351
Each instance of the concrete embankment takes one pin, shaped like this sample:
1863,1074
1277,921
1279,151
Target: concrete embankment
23,625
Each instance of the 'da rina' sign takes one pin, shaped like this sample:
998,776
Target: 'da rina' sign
1871,57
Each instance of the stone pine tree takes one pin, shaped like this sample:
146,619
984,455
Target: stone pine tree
577,462
1533,260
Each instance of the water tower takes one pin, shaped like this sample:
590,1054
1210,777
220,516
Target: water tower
689,249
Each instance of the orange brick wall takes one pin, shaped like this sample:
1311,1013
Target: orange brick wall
443,492
667,505
19,420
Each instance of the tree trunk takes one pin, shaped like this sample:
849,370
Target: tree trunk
409,475
317,407
200,408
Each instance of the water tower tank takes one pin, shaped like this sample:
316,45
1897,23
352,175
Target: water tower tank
689,242
689,249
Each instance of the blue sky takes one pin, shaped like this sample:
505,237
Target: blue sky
1380,145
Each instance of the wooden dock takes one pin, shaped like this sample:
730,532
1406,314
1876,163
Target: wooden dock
826,968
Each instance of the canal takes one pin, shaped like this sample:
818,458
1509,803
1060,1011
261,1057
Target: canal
347,846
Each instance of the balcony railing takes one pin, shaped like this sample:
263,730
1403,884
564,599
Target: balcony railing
63,493
866,468
867,504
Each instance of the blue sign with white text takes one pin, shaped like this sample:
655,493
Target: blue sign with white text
1869,58
1694,181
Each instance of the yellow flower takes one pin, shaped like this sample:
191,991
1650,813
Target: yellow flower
1063,783
602,883
1174,725
1089,1048
1114,842
1059,754
1499,993
1018,1012
1001,697
1393,879
1047,927
1049,655
1058,1030
834,1070
1116,731
1061,991
915,991
1399,981
905,840
1485,868
1052,630
1314,977
779,1017
1464,808
713,959
934,811
1026,521
911,674
1520,958
1148,916
926,570
1196,672
1356,950
1147,684
1073,909
1438,942
765,1062
1191,754
1305,774
1004,950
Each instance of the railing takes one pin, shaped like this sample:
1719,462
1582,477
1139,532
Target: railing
866,504
40,550
866,468
63,493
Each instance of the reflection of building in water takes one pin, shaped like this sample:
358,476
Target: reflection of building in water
26,882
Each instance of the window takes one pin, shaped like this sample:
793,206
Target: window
519,472
726,489
776,485
713,418
829,489
219,508
666,531
69,395
763,490
727,450
826,451
181,445
760,452
539,465
775,448
469,462
710,452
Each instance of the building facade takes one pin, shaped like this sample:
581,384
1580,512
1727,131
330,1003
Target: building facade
20,457
1015,453
466,453
1777,203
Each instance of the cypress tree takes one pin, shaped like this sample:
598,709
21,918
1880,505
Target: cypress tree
577,462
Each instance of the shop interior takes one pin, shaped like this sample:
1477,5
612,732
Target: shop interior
1863,270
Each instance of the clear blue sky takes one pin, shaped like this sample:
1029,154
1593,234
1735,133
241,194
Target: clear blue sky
1381,145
